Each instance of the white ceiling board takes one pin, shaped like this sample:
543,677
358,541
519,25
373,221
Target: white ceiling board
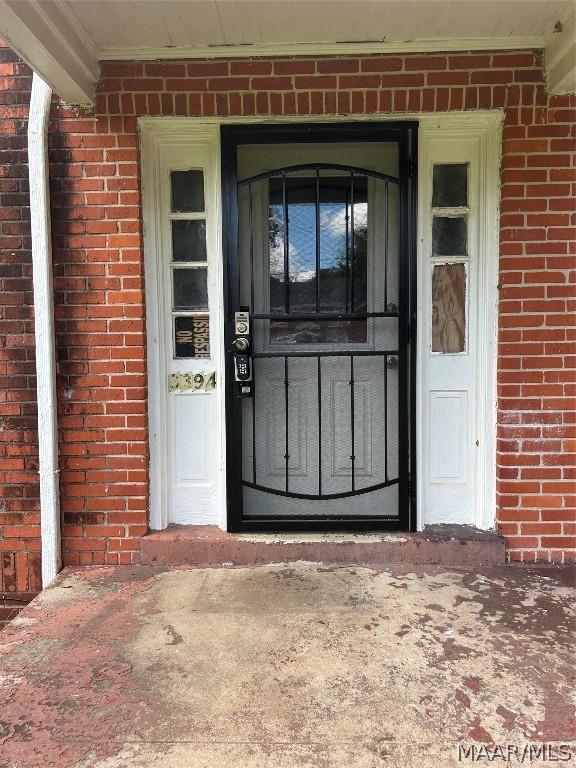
116,24
134,23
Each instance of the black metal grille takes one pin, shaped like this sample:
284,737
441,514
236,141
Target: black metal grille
281,181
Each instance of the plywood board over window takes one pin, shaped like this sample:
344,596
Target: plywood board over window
449,308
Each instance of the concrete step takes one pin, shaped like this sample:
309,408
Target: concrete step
208,546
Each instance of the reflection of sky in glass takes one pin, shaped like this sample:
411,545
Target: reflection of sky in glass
341,285
302,237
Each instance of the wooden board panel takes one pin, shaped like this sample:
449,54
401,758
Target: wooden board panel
449,308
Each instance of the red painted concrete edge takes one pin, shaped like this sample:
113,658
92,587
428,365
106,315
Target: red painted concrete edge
209,546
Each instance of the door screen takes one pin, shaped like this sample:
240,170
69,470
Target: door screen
323,423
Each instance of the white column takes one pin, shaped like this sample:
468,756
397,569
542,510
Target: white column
44,327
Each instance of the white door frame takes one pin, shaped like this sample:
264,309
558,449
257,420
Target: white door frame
159,137
486,127
482,130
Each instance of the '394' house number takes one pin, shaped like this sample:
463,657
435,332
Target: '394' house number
192,382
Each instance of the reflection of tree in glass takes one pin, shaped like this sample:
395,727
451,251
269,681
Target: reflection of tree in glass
345,265
339,285
338,269
274,240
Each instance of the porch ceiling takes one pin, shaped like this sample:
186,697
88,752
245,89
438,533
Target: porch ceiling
64,40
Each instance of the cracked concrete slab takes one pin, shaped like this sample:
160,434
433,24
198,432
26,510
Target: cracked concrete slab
287,665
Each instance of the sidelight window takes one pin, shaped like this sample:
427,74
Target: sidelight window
450,257
188,265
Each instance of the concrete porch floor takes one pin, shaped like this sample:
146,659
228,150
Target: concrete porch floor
291,665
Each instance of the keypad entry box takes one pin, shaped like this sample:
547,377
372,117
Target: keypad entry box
241,348
243,368
242,323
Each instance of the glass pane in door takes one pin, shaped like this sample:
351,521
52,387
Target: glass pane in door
318,256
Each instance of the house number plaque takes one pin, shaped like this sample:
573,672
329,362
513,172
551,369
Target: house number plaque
192,382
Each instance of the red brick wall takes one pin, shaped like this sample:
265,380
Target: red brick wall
537,351
99,269
99,298
19,508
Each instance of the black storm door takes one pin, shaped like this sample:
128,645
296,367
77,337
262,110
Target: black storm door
318,235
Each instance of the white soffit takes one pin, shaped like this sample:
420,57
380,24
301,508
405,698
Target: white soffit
46,38
120,26
560,54
63,40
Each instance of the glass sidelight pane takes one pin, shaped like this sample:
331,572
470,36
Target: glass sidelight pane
190,288
449,308
450,186
188,240
187,188
191,336
449,236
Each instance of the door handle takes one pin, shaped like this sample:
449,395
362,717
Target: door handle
240,344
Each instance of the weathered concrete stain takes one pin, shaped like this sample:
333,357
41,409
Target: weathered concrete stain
74,687
286,666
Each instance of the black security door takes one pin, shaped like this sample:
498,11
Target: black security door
318,233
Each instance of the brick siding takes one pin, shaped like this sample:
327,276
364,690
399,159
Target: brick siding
19,506
536,457
98,265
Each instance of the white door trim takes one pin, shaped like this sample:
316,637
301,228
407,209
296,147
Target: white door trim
156,135
486,125
485,128
251,50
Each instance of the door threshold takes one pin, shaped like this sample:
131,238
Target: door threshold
208,546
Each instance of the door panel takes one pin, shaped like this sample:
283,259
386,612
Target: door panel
323,435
